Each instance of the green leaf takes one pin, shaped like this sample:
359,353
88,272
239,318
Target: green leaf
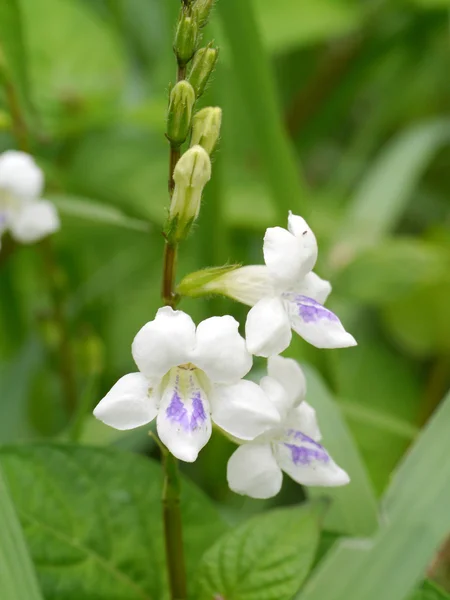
393,270
287,24
392,401
354,508
17,577
266,558
429,591
421,322
92,519
12,47
418,520
97,212
382,196
252,69
80,63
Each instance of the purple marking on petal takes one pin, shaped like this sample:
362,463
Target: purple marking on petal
177,413
308,309
298,435
198,412
302,455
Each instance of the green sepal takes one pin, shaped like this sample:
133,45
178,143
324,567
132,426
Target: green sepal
195,284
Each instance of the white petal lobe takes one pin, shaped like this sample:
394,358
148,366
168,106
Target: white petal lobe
315,323
243,410
290,375
303,418
276,394
20,175
165,342
288,257
314,287
267,329
34,221
307,462
221,351
252,471
184,422
128,404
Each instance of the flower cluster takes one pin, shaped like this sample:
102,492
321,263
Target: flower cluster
23,213
190,377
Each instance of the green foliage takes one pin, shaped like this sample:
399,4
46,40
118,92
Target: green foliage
429,591
254,77
416,522
13,62
17,577
353,508
266,558
92,519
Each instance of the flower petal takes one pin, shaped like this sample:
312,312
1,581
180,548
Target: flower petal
129,404
314,287
246,284
276,394
290,255
163,343
303,418
243,410
253,471
315,323
289,373
286,256
35,221
184,423
307,462
221,351
267,329
20,175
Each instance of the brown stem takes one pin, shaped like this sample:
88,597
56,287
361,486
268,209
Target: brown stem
65,358
169,267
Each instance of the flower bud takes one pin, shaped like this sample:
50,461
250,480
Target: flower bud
181,104
191,174
206,128
186,37
202,10
202,66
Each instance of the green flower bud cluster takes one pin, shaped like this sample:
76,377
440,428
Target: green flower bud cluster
193,169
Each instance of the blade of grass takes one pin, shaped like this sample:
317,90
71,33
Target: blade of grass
17,577
417,522
384,192
252,69
354,508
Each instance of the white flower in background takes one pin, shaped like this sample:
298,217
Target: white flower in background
255,468
22,211
285,294
187,377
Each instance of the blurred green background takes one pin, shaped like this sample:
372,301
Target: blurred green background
337,109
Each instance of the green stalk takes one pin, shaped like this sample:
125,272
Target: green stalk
251,66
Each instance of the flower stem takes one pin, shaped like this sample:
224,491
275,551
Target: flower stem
66,360
173,529
173,526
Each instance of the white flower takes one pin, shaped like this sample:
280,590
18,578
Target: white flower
285,294
187,377
22,212
255,468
